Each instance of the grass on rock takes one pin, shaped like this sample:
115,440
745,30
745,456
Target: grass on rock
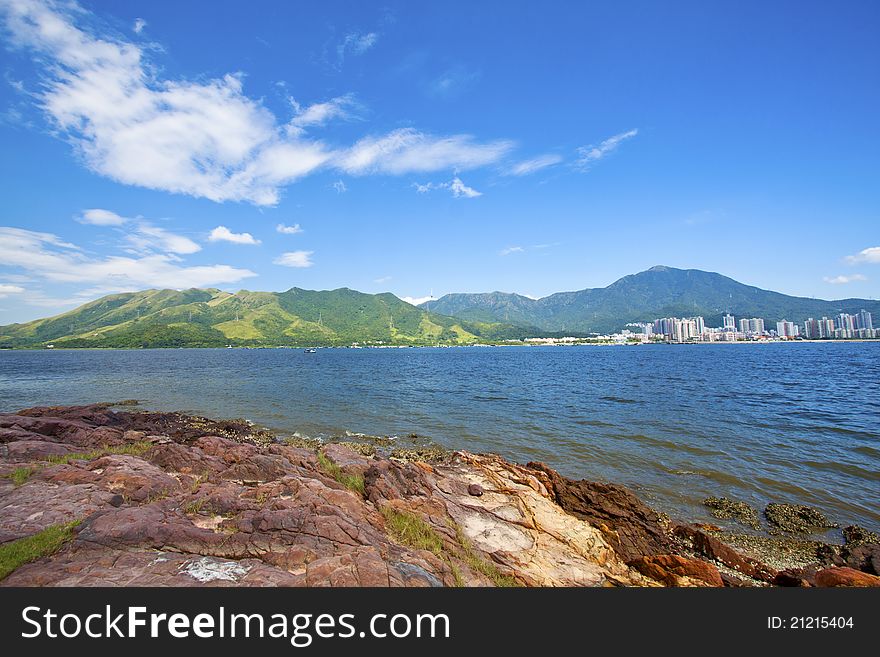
353,482
15,554
131,449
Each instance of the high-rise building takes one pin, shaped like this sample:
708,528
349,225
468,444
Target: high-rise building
826,328
865,320
700,325
811,329
785,329
756,326
743,326
729,322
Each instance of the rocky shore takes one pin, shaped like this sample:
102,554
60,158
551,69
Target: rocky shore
93,496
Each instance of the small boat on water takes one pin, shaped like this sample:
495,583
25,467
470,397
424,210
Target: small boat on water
311,350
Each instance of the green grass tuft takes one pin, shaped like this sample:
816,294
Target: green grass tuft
20,475
412,531
353,482
15,554
131,449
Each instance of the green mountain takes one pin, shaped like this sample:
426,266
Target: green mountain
657,292
211,318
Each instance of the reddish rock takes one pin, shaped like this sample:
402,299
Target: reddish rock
475,489
347,459
713,548
841,576
673,570
793,578
630,527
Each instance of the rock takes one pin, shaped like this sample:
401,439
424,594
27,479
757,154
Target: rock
796,518
475,489
838,576
713,548
630,527
208,503
792,578
723,509
673,570
854,535
346,458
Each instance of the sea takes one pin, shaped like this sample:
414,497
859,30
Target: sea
778,422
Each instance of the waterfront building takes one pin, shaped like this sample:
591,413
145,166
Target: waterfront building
729,322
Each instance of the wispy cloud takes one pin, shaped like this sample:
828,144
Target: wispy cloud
149,238
589,155
844,279
510,250
455,186
407,150
288,230
319,114
383,279
99,217
203,138
295,259
870,255
452,82
533,165
223,234
46,257
7,289
139,25
340,187
354,43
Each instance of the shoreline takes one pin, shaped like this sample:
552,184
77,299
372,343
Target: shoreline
453,346
177,497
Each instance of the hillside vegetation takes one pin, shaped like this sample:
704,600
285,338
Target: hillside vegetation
212,318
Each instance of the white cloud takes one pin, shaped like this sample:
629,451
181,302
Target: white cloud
48,258
459,189
843,280
409,151
203,138
354,43
223,234
511,249
99,217
139,25
590,154
147,237
6,290
870,255
383,279
416,301
340,187
295,259
456,186
319,114
288,230
527,167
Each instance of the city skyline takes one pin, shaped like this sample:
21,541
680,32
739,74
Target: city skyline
403,149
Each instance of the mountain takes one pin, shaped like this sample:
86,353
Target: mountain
657,292
212,318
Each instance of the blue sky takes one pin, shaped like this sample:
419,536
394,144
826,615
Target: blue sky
429,148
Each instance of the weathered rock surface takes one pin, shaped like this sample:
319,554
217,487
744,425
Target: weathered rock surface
172,500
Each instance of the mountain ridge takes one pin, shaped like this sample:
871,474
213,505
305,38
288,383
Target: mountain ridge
211,317
660,291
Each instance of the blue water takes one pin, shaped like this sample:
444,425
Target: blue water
776,422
